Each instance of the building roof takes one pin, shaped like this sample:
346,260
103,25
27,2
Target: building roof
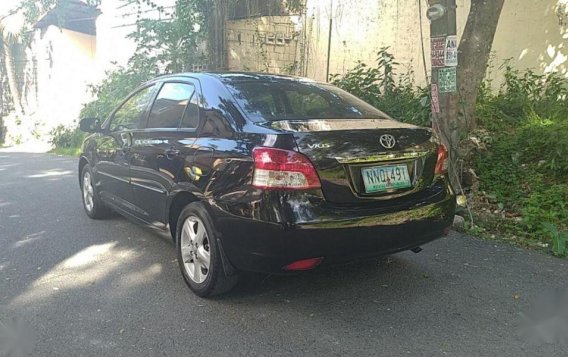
73,15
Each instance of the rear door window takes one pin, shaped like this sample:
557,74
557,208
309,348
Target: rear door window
191,116
170,105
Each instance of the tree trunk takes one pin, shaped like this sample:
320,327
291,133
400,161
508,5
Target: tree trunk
474,51
218,35
12,78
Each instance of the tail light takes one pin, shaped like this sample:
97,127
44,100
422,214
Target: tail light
442,162
283,169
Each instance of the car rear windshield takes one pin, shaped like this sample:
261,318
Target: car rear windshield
295,100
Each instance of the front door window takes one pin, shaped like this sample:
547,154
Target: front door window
129,115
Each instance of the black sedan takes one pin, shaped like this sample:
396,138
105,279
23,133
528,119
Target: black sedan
264,173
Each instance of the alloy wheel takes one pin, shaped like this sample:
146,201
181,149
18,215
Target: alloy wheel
88,192
195,249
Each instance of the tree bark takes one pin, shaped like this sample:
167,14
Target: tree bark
12,78
474,51
218,35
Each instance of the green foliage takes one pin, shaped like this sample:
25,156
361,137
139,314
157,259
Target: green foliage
527,93
525,169
523,95
166,45
63,137
115,87
173,44
381,87
558,239
534,153
66,151
545,142
546,203
295,6
500,172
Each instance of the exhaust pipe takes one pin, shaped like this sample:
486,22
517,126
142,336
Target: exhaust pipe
416,250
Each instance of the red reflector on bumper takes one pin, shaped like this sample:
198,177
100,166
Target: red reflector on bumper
305,264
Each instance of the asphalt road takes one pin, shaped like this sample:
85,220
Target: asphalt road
71,286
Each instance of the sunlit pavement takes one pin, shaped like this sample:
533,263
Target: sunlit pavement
31,147
72,286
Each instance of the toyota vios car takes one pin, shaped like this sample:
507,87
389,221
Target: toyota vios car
264,173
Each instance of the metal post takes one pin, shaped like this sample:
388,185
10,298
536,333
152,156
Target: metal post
329,41
444,80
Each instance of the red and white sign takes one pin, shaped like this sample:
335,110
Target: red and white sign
437,51
435,99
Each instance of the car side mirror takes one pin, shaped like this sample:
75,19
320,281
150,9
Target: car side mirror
90,125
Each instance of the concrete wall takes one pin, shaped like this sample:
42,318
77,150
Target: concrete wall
534,33
263,44
65,66
529,31
359,30
60,64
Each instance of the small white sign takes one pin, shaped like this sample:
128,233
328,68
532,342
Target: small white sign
451,51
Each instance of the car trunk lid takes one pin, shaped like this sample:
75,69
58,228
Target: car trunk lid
365,159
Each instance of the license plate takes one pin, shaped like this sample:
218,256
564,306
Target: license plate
383,178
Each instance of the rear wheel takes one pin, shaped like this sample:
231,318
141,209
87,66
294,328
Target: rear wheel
92,203
198,253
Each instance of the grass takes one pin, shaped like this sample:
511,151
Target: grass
522,195
66,151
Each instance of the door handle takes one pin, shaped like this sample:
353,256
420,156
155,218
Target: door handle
171,153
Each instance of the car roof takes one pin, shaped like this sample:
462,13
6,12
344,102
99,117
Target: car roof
231,77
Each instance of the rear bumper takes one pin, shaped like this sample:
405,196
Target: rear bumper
335,233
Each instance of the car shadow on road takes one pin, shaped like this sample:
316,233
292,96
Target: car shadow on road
371,278
367,276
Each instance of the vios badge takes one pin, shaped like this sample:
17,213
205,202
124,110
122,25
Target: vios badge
387,141
319,146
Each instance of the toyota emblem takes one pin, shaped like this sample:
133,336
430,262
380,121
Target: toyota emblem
387,141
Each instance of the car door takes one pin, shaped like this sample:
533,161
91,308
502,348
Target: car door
160,150
113,148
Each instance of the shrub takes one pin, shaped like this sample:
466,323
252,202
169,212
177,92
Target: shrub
114,88
66,137
526,93
545,143
523,95
546,204
500,172
525,169
380,86
558,238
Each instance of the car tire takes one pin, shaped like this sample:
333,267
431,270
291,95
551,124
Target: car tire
199,254
92,203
